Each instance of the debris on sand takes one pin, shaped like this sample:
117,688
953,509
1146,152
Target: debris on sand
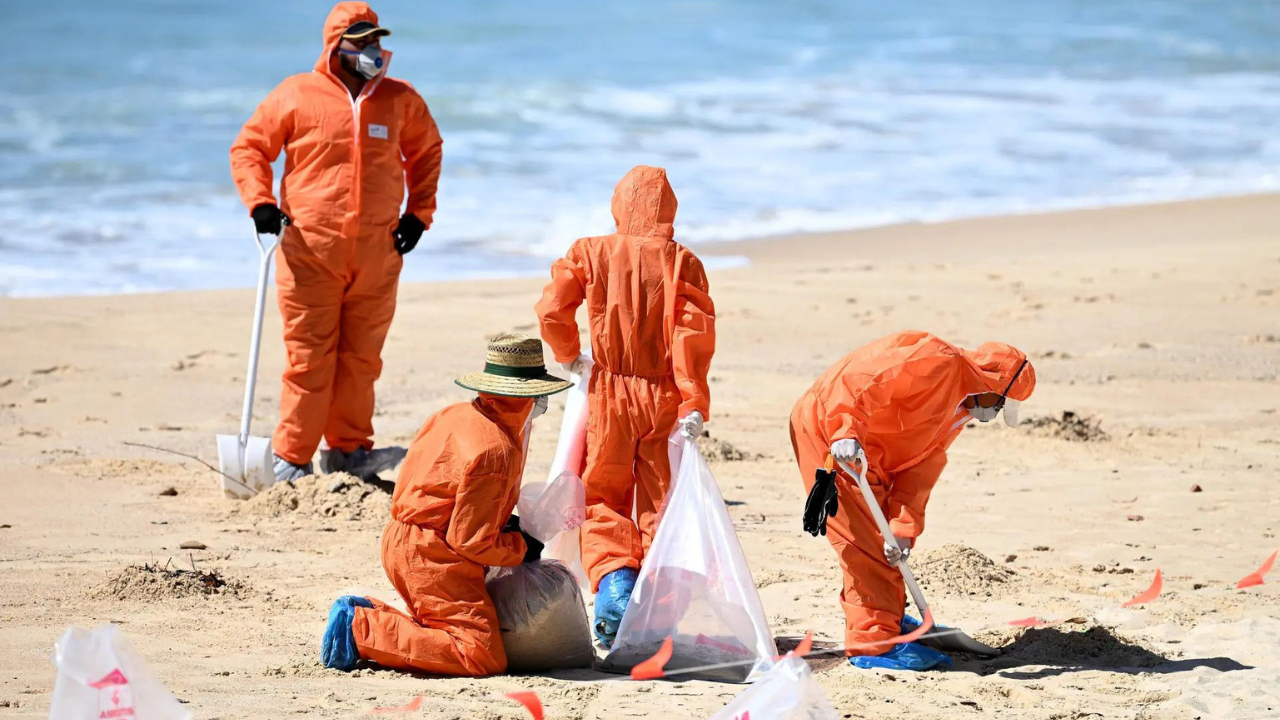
1070,426
957,570
715,450
336,496
1094,648
156,582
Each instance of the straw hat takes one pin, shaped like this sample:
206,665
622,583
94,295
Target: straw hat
514,367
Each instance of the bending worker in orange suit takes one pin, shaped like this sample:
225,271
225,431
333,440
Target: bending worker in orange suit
902,400
450,519
352,138
652,336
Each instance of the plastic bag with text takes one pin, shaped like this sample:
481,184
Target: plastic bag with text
552,511
541,617
101,676
695,586
787,692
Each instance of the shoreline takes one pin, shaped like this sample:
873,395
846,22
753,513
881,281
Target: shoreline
1105,223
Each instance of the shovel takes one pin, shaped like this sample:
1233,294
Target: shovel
246,461
939,637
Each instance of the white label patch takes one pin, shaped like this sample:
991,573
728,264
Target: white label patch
378,131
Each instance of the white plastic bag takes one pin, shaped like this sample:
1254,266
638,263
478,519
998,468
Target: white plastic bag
541,617
552,511
787,692
696,587
101,677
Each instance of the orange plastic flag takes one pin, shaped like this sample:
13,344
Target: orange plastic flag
926,625
530,701
413,704
1257,576
651,669
1030,622
805,647
1150,593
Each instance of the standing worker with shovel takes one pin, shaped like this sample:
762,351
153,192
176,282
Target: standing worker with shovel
353,139
895,405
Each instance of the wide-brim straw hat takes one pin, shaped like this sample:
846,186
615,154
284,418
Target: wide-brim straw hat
514,367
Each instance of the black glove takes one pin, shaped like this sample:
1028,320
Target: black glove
513,524
408,233
268,219
533,551
822,503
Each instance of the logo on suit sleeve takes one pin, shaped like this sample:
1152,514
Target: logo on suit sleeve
378,131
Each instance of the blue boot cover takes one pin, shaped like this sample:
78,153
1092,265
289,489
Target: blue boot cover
338,650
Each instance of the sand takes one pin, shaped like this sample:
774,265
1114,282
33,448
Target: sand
1156,324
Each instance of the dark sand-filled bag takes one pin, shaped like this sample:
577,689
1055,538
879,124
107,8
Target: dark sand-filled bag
541,616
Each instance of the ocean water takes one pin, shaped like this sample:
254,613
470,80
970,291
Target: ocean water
771,117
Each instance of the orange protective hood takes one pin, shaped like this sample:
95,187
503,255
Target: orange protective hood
508,413
644,203
342,16
996,364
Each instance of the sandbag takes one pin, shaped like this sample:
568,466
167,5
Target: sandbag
541,617
787,692
695,587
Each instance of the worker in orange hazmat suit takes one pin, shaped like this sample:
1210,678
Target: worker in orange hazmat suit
902,400
353,138
652,328
450,519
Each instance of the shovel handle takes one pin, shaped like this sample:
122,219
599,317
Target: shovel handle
877,514
255,342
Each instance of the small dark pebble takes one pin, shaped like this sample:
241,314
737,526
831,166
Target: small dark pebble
1196,488
193,545
6,526
169,492
1010,558
1136,518
1197,586
1041,548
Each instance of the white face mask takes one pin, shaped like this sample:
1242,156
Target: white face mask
539,408
984,414
368,60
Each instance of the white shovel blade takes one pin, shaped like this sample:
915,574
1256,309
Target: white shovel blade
259,471
233,485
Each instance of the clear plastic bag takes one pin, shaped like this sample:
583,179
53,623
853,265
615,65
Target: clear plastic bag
552,511
696,587
541,616
101,677
789,691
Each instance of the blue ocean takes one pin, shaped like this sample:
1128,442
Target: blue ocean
771,117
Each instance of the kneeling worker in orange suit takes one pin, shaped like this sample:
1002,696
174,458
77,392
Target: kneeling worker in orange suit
652,337
902,401
353,138
450,520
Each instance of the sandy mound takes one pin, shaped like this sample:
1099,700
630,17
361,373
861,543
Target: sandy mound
957,570
153,583
1095,648
338,497
715,450
1073,427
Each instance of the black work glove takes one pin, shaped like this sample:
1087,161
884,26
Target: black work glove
408,233
533,548
268,219
822,503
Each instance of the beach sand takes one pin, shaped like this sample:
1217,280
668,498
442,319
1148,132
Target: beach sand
1158,326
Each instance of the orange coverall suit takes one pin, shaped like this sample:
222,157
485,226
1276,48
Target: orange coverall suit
458,486
347,161
652,336
901,398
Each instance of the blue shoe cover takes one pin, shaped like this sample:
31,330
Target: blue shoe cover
910,625
611,603
904,656
338,650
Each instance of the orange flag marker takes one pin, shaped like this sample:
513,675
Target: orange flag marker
412,705
1150,593
651,669
1256,577
530,701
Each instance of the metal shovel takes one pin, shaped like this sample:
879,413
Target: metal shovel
939,637
246,462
